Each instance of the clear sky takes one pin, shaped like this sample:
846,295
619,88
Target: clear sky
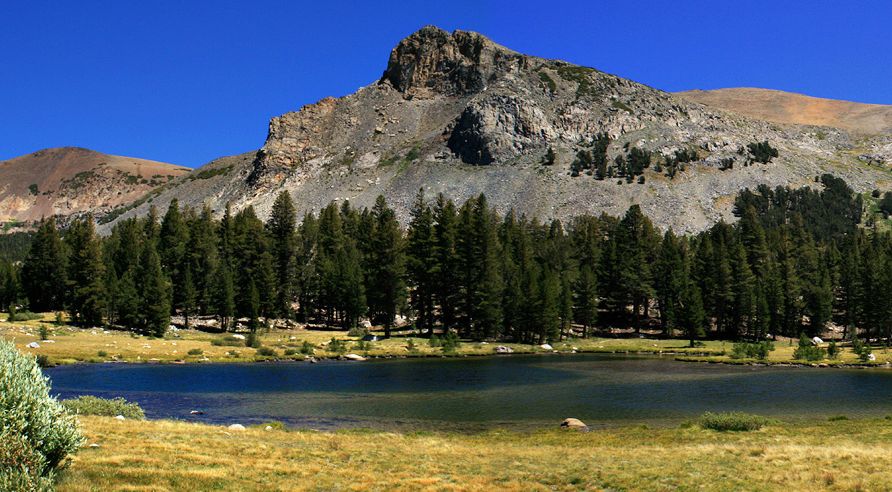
185,82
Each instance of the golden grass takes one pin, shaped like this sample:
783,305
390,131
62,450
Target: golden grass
166,455
72,344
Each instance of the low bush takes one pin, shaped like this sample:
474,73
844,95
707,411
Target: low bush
449,343
290,352
266,352
252,340
37,433
837,418
195,351
337,346
227,341
733,421
102,353
104,407
358,332
44,333
808,351
307,348
758,350
15,315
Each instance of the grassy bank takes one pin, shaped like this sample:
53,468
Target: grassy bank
165,455
783,355
71,345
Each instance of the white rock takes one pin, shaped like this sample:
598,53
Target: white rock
501,349
120,417
546,346
354,357
871,357
47,341
236,427
33,345
238,337
365,324
268,428
816,340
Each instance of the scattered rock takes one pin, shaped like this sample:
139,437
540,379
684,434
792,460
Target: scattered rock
816,340
196,412
574,424
238,336
871,357
33,345
236,427
120,417
501,349
94,445
268,428
354,357
546,346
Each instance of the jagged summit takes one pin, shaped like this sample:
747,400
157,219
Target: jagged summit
432,59
456,113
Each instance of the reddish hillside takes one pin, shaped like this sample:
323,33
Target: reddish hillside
787,107
71,180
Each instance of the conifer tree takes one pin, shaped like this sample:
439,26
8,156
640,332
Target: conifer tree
86,274
281,226
420,262
155,292
444,265
387,292
44,272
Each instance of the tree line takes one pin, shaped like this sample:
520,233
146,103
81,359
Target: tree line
795,260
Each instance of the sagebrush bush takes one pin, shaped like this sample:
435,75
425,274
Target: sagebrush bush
195,351
29,415
733,421
20,465
91,405
266,352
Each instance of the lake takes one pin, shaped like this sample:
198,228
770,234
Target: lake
475,393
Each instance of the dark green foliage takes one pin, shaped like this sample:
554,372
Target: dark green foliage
86,300
762,152
549,158
745,350
808,351
44,273
733,421
386,260
266,352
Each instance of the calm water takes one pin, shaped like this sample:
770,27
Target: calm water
516,391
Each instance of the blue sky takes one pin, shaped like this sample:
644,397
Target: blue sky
186,82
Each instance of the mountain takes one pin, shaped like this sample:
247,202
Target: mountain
798,109
69,181
459,114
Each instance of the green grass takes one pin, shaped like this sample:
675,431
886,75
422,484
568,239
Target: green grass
91,405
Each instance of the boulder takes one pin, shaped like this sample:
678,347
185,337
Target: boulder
354,357
574,424
871,357
33,345
365,324
238,336
268,428
236,427
120,417
816,340
546,346
501,349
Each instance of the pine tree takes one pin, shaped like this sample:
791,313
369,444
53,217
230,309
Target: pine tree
155,289
173,237
635,252
224,296
281,226
444,264
86,274
670,278
44,272
420,263
387,292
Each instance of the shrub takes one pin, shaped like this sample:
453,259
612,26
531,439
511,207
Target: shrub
363,345
861,349
15,315
195,351
758,350
252,340
20,464
837,418
411,347
833,350
337,346
733,421
60,319
102,353
450,342
227,341
266,352
358,331
104,407
807,350
36,428
307,348
44,333
434,341
290,352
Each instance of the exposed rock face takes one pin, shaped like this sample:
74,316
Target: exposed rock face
456,113
70,181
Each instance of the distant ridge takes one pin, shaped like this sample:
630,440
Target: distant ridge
797,109
67,181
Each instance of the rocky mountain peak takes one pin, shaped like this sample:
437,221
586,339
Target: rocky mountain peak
433,60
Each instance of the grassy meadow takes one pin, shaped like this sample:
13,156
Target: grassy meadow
72,345
167,455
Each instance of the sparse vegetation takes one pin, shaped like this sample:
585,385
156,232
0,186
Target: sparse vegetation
91,405
733,421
